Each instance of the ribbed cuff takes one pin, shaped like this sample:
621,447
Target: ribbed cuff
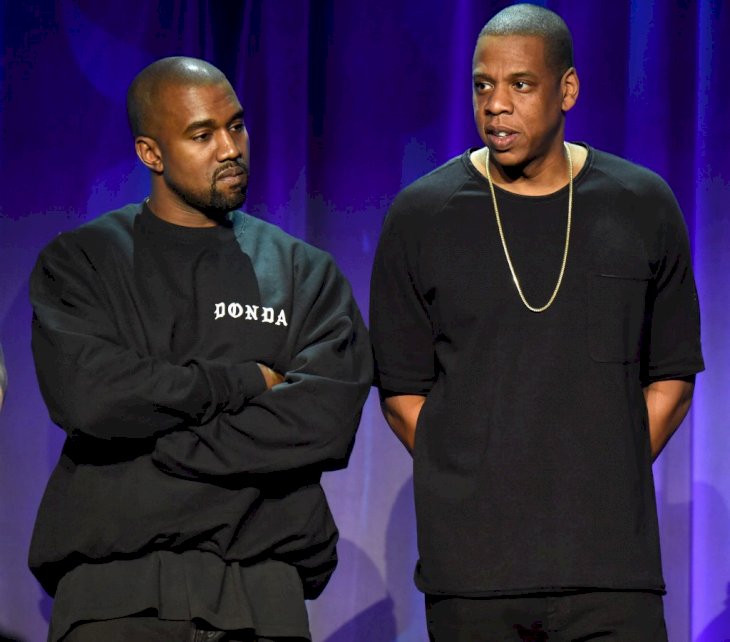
247,381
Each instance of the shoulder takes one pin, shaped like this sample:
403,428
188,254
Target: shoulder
88,253
264,240
630,177
101,234
430,193
639,197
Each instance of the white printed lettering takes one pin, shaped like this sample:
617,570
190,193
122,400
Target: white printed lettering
250,312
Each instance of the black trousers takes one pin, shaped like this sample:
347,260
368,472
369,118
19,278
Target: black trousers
150,629
620,616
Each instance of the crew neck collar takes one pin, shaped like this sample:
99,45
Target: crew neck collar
183,233
561,193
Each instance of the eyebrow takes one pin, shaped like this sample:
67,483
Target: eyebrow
209,123
512,76
199,124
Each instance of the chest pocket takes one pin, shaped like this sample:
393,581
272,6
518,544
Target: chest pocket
617,305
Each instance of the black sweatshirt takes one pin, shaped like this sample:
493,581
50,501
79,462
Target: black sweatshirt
173,443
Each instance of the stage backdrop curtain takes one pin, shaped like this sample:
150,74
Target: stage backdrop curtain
346,103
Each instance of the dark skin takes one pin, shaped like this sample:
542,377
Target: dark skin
198,155
520,104
519,109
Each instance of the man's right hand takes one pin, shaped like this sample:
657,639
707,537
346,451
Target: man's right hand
271,376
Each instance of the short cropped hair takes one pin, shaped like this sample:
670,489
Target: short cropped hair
145,89
533,20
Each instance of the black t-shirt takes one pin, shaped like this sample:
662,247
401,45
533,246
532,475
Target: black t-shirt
532,462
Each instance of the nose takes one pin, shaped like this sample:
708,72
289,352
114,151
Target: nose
498,101
230,145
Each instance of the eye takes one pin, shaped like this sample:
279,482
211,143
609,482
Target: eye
202,137
480,86
237,127
521,85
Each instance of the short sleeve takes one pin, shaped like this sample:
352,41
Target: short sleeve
674,348
400,326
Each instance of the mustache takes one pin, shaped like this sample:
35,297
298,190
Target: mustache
232,164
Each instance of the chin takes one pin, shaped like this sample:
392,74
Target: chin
508,157
227,203
238,202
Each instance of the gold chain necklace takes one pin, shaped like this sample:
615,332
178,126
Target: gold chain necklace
567,236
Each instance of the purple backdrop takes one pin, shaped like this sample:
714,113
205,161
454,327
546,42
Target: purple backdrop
347,102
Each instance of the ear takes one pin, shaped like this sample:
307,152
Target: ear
148,151
570,87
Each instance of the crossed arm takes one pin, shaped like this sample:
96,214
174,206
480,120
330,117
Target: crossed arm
207,418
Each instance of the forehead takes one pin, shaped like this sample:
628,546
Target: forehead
510,54
181,105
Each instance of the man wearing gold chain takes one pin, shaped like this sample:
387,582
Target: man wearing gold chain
536,332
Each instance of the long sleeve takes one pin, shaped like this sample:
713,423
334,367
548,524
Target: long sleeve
92,381
308,421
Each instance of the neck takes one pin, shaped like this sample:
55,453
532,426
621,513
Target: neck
179,213
535,177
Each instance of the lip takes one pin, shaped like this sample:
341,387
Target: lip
230,173
501,143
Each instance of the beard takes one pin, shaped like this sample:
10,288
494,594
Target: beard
213,202
221,202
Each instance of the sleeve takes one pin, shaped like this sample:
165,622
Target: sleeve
96,386
309,421
674,348
400,325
